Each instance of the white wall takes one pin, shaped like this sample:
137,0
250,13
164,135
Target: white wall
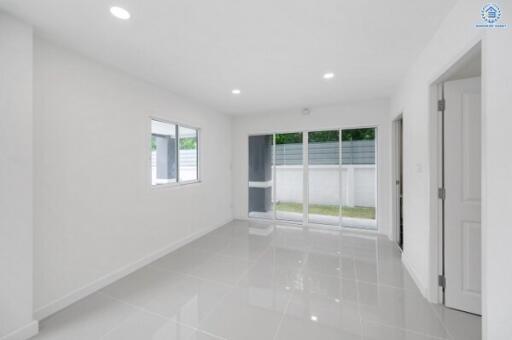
456,35
16,194
498,187
95,212
350,115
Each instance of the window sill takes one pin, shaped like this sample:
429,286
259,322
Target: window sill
175,185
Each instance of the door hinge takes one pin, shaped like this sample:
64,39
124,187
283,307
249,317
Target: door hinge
441,193
441,281
441,105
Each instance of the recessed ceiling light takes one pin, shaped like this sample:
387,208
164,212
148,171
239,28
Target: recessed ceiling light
120,13
236,91
314,318
328,75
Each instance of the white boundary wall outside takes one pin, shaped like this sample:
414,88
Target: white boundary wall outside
358,184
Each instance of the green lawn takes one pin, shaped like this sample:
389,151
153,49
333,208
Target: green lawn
328,210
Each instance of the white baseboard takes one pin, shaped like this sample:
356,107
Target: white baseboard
104,281
421,287
23,333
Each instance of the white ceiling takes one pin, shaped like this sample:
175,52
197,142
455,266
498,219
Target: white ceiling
275,51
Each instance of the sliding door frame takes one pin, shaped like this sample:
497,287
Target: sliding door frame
305,177
274,172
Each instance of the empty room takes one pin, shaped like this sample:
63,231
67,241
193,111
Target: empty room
255,170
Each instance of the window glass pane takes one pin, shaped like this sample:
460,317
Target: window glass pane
163,152
324,177
289,176
260,176
359,178
187,154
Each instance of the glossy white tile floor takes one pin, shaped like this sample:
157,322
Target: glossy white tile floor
264,281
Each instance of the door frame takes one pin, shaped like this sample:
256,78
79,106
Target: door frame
435,292
397,159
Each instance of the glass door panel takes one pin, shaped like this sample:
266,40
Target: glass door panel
289,174
359,178
260,176
324,177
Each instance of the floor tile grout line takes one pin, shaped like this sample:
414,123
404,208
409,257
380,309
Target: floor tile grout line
358,302
390,325
406,330
163,268
214,309
135,306
200,278
150,312
285,310
238,286
214,253
131,305
232,289
250,267
438,317
346,256
362,281
210,334
408,290
220,254
114,328
253,264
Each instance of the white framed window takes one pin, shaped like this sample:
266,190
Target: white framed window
174,153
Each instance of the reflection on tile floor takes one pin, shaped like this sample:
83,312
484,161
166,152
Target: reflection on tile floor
249,280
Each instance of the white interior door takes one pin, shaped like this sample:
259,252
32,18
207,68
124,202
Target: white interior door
463,195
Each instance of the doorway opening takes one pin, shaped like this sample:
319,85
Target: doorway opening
398,220
459,180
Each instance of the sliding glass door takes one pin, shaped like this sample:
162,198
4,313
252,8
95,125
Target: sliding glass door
324,178
289,173
359,178
333,181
